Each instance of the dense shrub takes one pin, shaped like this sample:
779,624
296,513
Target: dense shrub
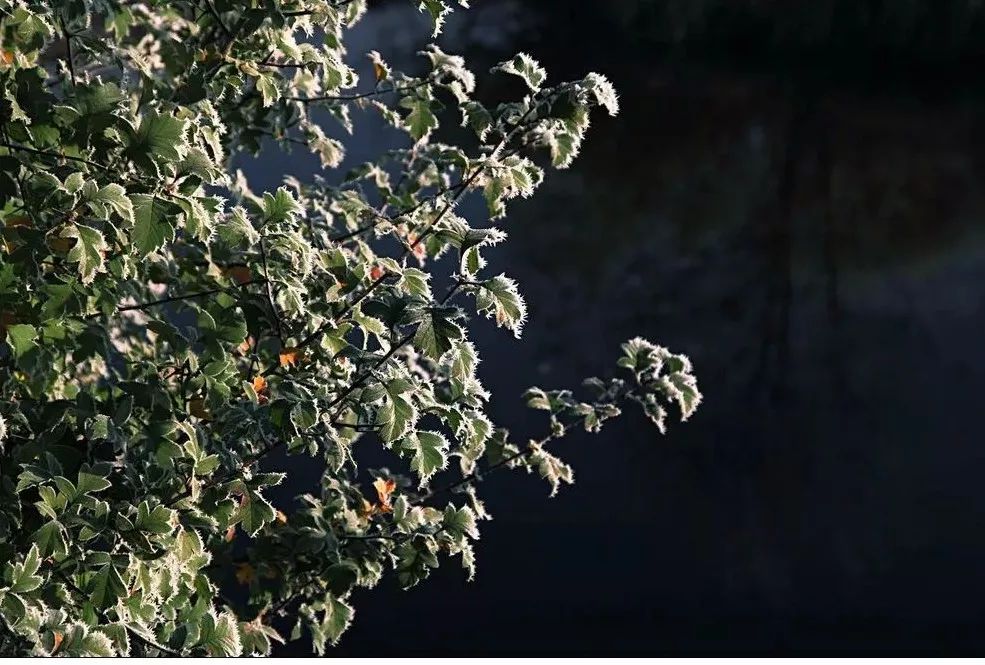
166,329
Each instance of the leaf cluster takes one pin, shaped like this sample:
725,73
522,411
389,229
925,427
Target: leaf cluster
164,329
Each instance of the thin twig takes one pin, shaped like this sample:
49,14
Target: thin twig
55,155
270,292
361,95
163,301
68,49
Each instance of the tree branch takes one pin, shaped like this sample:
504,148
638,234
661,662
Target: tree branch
54,155
163,301
361,95
270,292
68,48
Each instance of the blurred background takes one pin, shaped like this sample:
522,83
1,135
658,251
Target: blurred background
792,195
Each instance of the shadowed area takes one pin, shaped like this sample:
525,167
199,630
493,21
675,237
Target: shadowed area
798,207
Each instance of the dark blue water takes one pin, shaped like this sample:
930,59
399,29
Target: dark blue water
815,245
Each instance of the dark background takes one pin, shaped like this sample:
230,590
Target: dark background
792,196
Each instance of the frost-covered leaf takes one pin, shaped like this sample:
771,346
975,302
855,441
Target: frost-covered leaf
397,413
550,467
281,206
336,617
87,251
429,451
525,67
499,298
420,121
22,577
106,587
159,137
152,226
220,635
435,333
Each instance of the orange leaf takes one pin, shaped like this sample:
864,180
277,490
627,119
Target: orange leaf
7,57
245,347
239,274
375,272
280,517
379,71
289,356
58,638
259,384
230,533
384,488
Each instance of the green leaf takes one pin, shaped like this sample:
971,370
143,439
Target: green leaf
336,618
415,559
498,297
476,117
416,282
430,453
106,587
397,414
438,10
152,226
267,86
462,361
118,637
237,229
220,635
22,576
160,138
254,510
525,67
159,519
112,197
304,415
50,539
87,251
96,645
190,551
281,206
475,430
460,523
550,468
21,337
421,121
90,482
435,334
